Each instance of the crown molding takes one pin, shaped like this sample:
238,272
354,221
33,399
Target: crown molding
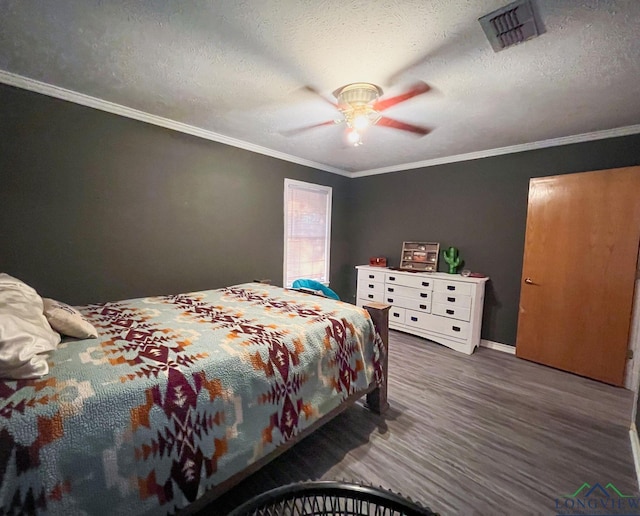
26,83
543,144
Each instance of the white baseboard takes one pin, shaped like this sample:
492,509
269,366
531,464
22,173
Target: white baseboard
505,348
635,449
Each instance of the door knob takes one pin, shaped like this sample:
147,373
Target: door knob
528,281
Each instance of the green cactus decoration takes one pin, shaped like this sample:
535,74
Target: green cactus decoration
452,258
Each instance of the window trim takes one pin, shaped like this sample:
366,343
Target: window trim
293,183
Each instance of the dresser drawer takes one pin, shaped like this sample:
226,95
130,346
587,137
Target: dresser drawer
409,280
412,293
452,311
370,286
451,299
370,296
449,327
422,305
418,319
397,315
452,287
435,323
370,275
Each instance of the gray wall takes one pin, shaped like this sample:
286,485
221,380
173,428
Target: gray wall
97,207
478,206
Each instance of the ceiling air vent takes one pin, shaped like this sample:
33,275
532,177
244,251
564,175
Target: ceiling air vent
510,25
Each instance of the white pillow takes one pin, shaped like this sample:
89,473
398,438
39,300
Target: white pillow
67,320
24,331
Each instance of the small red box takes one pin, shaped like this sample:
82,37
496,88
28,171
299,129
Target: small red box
378,261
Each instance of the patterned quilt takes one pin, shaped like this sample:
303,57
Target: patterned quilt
177,394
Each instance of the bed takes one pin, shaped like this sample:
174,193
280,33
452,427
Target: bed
181,397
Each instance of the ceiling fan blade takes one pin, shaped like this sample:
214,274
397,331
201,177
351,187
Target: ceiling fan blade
293,132
390,122
311,89
417,89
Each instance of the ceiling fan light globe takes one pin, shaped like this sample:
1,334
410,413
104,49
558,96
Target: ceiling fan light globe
353,137
361,122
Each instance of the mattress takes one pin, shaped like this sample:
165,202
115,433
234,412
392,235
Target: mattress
176,395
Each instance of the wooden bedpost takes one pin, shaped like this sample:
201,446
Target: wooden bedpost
377,399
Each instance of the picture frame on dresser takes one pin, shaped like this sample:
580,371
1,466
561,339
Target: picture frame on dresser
444,308
420,256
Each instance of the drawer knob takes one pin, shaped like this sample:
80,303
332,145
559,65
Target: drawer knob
392,278
450,287
414,319
450,312
425,283
422,294
371,276
389,289
455,328
389,300
370,296
451,299
396,314
370,285
423,307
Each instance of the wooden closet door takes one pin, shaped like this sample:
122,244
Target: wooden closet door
581,249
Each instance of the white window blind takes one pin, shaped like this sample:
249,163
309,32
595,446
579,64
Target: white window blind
307,231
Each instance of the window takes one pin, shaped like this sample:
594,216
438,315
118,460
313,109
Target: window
307,231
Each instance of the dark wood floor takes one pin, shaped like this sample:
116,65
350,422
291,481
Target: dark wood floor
481,434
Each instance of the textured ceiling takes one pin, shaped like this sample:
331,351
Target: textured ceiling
239,68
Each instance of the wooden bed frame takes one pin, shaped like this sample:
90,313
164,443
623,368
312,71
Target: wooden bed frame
376,401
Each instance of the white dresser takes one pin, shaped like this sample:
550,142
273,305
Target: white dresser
445,308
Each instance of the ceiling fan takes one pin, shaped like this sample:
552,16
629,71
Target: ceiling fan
362,107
